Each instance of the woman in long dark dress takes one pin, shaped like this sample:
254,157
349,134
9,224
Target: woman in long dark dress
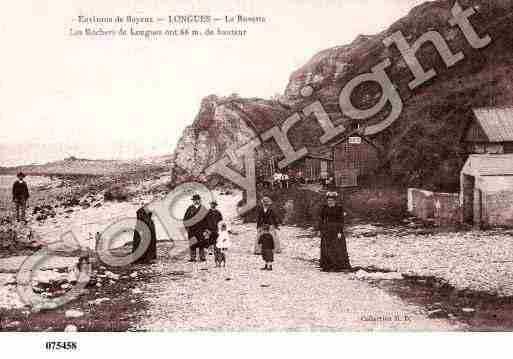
150,253
334,257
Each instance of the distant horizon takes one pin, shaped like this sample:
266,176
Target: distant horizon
130,98
59,154
127,159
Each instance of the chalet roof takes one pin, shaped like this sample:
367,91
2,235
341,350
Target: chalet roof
497,123
345,138
489,165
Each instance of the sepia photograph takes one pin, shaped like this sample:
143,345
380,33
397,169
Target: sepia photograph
272,167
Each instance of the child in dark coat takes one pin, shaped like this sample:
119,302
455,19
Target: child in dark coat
266,240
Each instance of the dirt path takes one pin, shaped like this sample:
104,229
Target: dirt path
295,296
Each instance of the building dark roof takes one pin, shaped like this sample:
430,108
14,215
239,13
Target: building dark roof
496,123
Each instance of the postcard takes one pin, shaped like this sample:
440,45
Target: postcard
256,167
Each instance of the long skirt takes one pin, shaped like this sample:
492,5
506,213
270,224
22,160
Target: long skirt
334,255
151,252
274,232
268,255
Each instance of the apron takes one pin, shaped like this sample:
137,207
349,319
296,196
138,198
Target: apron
273,232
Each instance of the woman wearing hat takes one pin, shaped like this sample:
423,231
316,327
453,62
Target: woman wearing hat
266,215
334,257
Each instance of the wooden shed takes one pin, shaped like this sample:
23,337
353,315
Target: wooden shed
266,167
490,131
353,158
487,190
314,167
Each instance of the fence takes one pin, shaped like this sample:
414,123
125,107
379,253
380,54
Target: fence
443,208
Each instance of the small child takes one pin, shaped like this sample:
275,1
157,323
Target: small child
266,240
222,245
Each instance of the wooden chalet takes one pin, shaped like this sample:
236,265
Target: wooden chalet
490,131
317,165
314,167
353,158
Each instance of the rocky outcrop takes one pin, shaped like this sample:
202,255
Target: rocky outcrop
222,125
422,147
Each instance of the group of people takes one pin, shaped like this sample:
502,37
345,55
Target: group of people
334,255
281,180
207,230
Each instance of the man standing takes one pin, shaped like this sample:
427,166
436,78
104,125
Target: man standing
195,224
213,219
285,180
20,195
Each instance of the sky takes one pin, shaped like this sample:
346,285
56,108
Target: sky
89,97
